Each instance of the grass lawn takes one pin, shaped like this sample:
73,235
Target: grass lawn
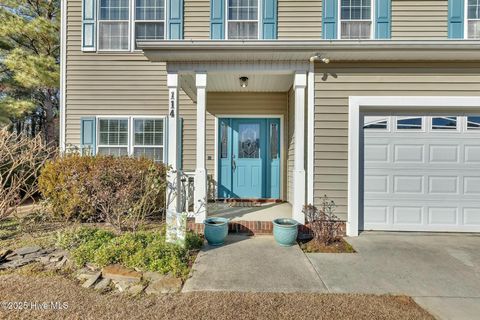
89,304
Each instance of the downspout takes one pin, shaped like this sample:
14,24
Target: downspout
311,126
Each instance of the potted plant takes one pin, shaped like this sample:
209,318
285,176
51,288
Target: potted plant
216,230
285,231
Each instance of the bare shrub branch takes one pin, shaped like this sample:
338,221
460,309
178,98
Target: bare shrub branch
323,222
21,158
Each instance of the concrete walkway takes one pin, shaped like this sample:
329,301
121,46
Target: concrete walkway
441,271
255,264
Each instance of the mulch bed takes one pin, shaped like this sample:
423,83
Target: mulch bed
88,304
339,246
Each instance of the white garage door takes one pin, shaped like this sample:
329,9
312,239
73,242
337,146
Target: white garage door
421,173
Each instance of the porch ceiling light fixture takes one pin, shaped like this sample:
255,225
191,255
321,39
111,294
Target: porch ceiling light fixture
243,82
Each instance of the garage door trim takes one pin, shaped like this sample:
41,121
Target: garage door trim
358,104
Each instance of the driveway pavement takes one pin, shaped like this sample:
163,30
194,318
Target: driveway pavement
253,264
441,271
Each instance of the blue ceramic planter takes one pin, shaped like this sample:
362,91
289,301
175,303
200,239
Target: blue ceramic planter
285,231
216,230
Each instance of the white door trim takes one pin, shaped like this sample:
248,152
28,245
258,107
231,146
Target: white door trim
282,141
388,104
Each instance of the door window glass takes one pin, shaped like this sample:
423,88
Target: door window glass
223,140
249,140
274,141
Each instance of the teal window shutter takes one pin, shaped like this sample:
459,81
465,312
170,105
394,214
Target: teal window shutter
88,137
329,19
175,19
217,19
456,13
269,17
89,16
383,17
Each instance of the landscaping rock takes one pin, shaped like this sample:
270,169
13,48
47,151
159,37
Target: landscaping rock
136,289
91,266
167,284
84,274
91,280
26,250
60,264
119,273
12,256
34,255
15,263
122,285
102,284
4,253
151,276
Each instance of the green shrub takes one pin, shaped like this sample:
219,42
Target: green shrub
145,250
119,190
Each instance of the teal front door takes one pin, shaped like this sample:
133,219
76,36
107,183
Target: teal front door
249,158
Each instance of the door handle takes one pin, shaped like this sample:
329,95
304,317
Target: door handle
234,165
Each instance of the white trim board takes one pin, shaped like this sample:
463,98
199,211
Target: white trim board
63,75
282,144
358,104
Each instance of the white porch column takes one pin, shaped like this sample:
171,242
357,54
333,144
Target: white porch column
174,199
300,83
200,200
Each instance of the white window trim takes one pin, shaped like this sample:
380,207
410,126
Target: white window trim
134,23
131,133
466,20
372,20
357,104
129,21
259,15
131,28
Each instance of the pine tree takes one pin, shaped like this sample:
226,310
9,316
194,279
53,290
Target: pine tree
29,62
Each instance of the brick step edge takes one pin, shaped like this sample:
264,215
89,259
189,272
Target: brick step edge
249,227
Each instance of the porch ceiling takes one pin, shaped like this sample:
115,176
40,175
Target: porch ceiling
256,82
302,50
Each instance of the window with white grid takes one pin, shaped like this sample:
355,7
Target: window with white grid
355,19
242,22
113,25
148,140
473,19
113,137
149,19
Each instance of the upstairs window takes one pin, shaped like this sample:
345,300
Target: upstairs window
149,19
113,25
356,19
242,22
473,19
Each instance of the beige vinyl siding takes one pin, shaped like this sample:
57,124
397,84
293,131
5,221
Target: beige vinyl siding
299,19
371,79
239,103
196,22
290,143
424,19
116,84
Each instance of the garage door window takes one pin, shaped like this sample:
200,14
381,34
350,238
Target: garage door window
409,123
444,123
473,123
371,122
